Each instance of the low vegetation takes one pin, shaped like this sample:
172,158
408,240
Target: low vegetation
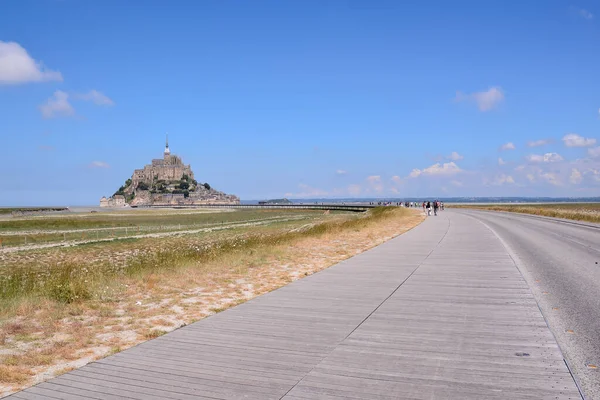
61,308
576,211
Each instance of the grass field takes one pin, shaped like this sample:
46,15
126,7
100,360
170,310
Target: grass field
10,210
62,307
576,211
94,226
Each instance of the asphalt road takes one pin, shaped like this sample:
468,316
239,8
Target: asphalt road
561,262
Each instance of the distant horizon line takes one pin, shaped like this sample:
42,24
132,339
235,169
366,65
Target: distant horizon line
363,199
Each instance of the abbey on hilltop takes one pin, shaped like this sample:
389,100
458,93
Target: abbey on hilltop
167,181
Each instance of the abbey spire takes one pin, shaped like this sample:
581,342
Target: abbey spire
167,151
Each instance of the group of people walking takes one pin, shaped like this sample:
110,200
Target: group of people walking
427,206
436,205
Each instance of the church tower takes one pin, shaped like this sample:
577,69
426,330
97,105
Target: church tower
167,153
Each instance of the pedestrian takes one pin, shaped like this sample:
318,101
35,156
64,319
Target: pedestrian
436,205
428,206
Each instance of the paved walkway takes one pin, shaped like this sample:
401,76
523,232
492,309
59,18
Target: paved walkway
440,312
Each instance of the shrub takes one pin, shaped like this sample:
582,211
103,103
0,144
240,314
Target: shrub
207,186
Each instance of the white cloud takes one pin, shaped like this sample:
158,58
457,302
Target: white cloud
537,143
57,106
501,161
485,101
17,66
396,179
502,179
456,183
414,173
98,164
594,152
341,172
547,158
507,146
574,140
575,177
96,97
531,177
454,156
449,168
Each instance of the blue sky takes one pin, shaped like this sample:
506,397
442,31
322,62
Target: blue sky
301,98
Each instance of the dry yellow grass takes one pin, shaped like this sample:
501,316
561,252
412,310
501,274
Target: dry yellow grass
149,304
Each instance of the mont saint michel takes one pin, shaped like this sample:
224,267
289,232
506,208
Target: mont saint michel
166,181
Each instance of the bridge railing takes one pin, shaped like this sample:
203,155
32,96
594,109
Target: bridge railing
340,207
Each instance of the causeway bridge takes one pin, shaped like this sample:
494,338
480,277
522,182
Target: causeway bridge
360,207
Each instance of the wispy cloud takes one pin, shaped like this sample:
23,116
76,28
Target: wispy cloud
507,146
537,143
551,178
307,191
594,152
546,158
501,161
575,177
575,140
485,101
98,164
583,13
375,183
502,179
94,96
341,172
17,66
454,156
57,106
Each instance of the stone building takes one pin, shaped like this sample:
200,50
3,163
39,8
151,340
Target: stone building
114,201
166,181
168,168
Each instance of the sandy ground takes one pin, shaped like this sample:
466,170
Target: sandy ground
80,334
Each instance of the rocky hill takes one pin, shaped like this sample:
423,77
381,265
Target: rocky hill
166,181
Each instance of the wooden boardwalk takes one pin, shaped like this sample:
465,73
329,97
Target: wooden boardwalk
440,312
